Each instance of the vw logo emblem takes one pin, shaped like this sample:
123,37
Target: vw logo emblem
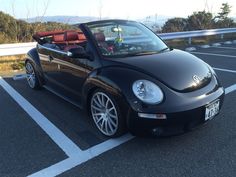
196,79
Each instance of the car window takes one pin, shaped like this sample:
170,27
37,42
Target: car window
120,39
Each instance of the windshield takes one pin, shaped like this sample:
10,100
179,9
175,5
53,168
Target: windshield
125,38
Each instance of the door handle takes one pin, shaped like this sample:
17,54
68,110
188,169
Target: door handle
50,58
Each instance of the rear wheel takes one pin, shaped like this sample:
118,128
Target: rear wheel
106,114
32,76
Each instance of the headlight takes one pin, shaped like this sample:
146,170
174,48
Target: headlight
147,91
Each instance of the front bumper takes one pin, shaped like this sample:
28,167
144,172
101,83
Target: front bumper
175,123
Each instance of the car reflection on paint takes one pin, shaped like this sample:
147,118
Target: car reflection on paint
126,77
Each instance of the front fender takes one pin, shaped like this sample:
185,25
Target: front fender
117,81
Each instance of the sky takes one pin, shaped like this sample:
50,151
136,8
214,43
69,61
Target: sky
127,9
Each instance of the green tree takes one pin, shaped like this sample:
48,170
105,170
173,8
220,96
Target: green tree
13,30
175,25
8,27
222,20
200,20
225,10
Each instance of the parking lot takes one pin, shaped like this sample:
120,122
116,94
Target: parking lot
43,135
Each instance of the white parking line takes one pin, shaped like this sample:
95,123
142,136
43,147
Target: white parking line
230,89
19,77
75,154
233,48
53,132
213,54
225,70
86,155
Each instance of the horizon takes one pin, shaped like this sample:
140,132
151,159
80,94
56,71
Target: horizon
106,9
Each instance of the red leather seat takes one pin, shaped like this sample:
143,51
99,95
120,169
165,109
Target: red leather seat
58,39
81,37
71,38
101,39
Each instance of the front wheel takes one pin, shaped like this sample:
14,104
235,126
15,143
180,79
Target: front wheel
106,114
32,76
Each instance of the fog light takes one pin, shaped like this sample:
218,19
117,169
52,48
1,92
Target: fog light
152,116
157,131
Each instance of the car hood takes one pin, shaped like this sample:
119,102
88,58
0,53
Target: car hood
177,69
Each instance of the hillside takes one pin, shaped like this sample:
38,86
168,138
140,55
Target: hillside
62,19
13,30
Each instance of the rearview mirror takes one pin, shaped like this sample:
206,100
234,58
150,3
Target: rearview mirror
78,52
116,29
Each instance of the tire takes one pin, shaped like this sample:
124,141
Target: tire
106,114
32,76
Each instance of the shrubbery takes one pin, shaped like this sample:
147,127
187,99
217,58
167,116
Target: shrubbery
201,20
13,30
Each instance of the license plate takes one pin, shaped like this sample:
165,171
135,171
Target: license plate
212,109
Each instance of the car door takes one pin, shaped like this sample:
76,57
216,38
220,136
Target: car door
63,74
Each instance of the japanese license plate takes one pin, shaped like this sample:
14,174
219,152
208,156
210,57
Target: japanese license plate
212,109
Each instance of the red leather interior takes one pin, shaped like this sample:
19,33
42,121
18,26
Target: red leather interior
65,39
61,36
81,37
71,36
100,37
58,38
72,39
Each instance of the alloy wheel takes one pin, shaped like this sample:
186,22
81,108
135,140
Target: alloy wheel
30,75
104,113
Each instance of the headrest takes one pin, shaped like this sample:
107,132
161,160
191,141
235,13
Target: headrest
81,36
100,37
71,36
58,38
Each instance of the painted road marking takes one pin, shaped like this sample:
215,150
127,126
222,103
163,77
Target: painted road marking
233,48
213,54
53,132
225,70
230,89
19,77
86,155
75,154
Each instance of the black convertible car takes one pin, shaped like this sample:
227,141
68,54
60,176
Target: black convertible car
126,77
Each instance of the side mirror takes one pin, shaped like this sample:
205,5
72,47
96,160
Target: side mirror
78,52
171,47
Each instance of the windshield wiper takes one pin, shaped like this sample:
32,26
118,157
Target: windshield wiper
141,53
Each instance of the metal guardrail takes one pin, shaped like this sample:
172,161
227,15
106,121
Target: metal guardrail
16,49
199,33
23,48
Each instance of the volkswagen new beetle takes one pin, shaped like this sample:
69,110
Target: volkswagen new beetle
126,77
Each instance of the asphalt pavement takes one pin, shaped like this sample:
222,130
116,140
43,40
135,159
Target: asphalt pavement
43,135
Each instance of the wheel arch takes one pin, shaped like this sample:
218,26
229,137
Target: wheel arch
115,80
92,84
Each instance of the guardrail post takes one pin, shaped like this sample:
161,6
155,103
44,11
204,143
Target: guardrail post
222,36
189,40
